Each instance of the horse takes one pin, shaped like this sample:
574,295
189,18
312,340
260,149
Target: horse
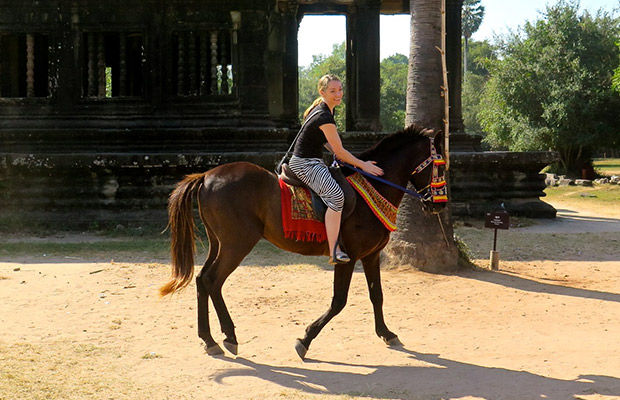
239,204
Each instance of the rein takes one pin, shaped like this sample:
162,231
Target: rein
437,183
379,179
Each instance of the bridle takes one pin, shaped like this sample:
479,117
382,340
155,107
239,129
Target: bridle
437,183
438,192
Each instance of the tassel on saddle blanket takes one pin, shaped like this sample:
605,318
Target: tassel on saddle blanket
298,220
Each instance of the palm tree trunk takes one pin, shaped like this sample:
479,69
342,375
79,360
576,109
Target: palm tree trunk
424,241
424,80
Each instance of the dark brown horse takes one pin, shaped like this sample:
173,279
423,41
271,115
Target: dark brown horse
239,203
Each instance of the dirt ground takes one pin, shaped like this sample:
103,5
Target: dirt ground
545,326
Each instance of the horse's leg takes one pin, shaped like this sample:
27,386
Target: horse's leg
204,331
371,265
228,259
342,281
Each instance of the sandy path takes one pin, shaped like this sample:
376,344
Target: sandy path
536,329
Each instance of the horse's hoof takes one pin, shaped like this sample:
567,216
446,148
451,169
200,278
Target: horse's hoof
393,342
301,349
232,347
214,350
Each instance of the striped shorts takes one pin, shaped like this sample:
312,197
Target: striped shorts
314,173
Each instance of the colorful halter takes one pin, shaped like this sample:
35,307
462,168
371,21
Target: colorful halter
438,189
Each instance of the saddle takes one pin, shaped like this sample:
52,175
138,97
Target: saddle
318,206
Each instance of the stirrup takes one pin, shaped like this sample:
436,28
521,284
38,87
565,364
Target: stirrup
339,257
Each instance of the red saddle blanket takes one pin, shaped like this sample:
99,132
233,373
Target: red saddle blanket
298,220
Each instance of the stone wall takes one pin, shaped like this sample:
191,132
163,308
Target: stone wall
125,178
481,181
116,180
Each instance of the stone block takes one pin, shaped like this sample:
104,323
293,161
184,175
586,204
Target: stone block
551,181
583,182
565,182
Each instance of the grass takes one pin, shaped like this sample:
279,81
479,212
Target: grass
110,248
607,166
604,195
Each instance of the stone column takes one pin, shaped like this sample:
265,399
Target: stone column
454,62
290,66
281,64
362,92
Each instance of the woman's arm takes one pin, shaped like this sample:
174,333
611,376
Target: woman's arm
335,145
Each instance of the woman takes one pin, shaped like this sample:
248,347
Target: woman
307,160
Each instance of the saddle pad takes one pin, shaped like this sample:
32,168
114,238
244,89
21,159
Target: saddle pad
385,211
298,220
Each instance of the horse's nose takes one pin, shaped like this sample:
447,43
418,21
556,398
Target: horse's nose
432,207
438,207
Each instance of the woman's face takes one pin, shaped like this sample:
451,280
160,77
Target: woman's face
333,93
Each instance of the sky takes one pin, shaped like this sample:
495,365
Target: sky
318,34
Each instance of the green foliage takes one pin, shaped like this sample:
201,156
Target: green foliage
334,63
480,55
393,92
473,86
616,78
551,87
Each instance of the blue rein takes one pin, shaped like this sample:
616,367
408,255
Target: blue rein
379,179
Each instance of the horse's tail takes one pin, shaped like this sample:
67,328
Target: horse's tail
182,232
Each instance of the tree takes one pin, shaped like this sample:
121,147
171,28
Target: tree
335,63
551,87
471,16
481,53
393,91
419,241
616,78
471,98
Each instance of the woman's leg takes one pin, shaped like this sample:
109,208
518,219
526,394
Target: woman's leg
315,174
332,226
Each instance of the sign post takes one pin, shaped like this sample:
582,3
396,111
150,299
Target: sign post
496,220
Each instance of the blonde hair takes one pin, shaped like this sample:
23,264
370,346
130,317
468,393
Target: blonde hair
321,87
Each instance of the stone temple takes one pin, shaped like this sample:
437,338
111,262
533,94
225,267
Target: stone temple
104,105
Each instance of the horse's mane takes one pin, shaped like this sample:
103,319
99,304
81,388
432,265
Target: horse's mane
385,147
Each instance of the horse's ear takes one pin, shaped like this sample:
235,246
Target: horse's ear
438,140
429,133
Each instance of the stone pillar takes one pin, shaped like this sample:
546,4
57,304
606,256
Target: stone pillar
363,83
290,66
281,64
454,62
64,66
252,80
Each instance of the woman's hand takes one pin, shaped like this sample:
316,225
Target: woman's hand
371,168
335,145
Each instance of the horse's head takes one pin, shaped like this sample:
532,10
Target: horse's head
428,177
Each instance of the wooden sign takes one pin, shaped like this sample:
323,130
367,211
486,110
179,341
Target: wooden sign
497,220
